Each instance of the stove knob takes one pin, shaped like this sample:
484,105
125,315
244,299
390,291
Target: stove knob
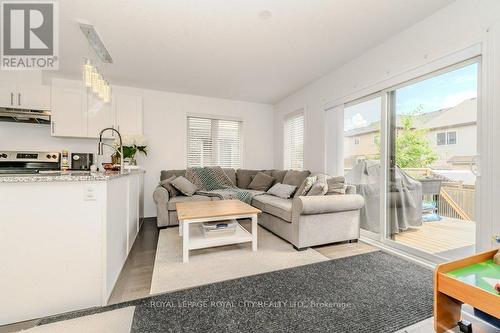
48,156
3,155
54,156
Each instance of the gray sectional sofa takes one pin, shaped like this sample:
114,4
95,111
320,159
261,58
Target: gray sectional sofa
303,221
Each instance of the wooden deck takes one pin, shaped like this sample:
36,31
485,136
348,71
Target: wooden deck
445,235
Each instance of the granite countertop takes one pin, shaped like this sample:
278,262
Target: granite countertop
65,176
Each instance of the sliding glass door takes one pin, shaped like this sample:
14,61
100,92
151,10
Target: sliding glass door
431,161
412,153
362,152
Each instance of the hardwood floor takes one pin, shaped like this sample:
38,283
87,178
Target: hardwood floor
341,250
445,235
135,278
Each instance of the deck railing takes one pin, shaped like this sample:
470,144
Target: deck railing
455,200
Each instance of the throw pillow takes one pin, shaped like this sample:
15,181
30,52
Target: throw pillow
295,177
243,177
261,182
172,191
184,185
320,187
279,175
336,185
306,186
282,190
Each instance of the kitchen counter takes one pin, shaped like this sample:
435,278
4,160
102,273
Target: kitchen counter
65,176
65,238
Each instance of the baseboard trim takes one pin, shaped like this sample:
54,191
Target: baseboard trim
419,261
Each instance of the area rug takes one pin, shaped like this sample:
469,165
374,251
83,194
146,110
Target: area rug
373,292
211,265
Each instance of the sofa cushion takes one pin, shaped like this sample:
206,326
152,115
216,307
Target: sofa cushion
336,185
255,192
231,173
166,183
184,186
244,177
306,186
169,173
295,177
182,198
320,186
278,175
283,191
261,182
278,207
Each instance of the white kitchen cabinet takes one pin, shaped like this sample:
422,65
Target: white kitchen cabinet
99,116
66,252
32,97
6,95
133,202
68,112
128,110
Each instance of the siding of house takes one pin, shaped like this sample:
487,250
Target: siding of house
466,144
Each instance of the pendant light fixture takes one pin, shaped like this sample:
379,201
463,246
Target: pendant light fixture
93,78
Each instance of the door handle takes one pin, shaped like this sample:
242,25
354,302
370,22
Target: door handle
11,98
19,99
53,127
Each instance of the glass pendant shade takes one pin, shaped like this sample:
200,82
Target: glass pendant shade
107,95
87,73
95,81
102,87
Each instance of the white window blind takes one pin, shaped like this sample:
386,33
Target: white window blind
213,142
294,142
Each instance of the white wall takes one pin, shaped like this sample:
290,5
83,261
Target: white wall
455,27
165,128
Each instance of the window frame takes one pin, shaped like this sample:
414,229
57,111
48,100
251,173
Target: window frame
214,138
448,138
441,142
288,117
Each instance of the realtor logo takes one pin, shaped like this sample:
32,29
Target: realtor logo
29,35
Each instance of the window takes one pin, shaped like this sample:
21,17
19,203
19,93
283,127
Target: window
446,138
356,141
451,138
294,142
441,139
213,142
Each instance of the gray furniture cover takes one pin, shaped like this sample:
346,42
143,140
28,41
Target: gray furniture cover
405,197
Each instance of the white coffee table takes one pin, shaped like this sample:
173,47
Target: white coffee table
208,211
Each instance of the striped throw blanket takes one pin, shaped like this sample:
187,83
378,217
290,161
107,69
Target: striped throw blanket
213,182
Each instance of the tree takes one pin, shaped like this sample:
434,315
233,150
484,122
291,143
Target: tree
413,149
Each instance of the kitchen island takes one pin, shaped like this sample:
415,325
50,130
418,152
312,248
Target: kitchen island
64,238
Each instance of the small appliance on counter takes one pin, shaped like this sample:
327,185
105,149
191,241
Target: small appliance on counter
81,161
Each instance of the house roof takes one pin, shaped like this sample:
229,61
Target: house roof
463,113
464,176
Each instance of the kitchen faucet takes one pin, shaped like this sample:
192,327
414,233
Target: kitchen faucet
100,146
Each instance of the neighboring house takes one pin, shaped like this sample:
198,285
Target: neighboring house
453,135
451,132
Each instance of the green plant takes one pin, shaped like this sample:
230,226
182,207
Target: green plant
413,149
133,144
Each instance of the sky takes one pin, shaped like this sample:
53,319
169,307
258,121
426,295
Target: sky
436,93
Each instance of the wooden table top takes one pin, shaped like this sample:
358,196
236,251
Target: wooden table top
209,209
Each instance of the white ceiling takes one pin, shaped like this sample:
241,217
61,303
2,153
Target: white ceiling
223,48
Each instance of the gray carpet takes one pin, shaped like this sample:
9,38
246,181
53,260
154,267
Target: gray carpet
374,292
